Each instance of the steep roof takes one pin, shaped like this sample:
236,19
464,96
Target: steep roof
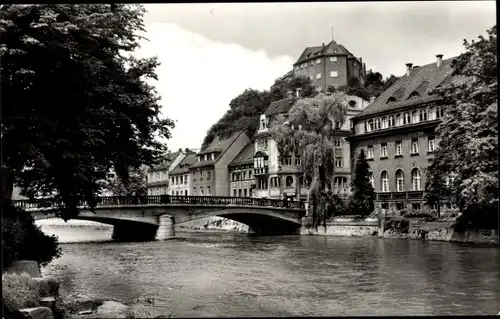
280,106
420,82
245,156
332,48
218,146
183,166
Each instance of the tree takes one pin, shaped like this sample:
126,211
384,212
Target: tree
436,187
245,109
136,185
363,194
76,103
309,129
372,88
468,146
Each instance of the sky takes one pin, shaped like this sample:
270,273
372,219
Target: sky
211,52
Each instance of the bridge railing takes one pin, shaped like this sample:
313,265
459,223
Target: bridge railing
170,199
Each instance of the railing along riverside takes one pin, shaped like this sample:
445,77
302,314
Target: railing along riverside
168,199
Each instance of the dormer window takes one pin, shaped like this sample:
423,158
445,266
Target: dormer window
352,103
385,124
199,158
206,157
262,124
370,126
391,99
414,94
212,156
392,121
377,124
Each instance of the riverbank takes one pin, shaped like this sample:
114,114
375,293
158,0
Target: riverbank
401,228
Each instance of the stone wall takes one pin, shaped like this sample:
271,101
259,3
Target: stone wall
443,231
345,227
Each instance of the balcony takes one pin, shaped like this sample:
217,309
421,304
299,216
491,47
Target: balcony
261,170
400,195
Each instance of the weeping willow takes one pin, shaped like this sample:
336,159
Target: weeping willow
309,129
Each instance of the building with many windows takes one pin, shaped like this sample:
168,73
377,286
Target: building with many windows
329,65
241,173
397,133
158,177
180,177
209,173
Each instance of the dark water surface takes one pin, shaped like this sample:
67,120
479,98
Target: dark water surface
221,274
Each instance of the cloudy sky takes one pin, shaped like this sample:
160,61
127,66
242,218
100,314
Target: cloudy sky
212,52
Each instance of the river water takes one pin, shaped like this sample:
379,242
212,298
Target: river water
224,274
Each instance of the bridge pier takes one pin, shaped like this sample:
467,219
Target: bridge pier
131,231
166,228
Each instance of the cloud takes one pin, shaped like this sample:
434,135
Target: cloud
198,77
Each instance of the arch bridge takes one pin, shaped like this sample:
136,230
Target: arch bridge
150,217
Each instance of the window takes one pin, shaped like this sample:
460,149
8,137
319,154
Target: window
206,157
239,192
414,146
244,192
415,206
413,94
212,156
289,181
338,162
392,121
370,126
177,193
423,115
377,124
262,124
372,179
391,99
208,190
201,190
157,176
333,59
384,181
186,192
234,192
208,175
173,180
400,206
334,74
383,150
201,175
338,142
185,179
398,120
244,175
318,61
414,117
400,180
176,180
181,178
370,152
173,193
385,206
288,161
298,161
194,191
432,113
415,179
431,144
399,148
318,76
385,123
194,176
406,119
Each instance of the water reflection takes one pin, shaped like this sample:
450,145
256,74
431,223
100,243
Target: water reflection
233,275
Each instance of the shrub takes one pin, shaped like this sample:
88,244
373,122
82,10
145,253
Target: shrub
478,216
19,291
23,240
424,213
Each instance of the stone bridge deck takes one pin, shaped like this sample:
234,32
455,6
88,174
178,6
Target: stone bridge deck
149,215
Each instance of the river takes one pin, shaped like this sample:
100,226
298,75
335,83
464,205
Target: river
225,274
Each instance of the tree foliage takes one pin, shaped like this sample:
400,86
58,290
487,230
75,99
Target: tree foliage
308,130
245,109
135,186
468,132
363,194
76,103
374,85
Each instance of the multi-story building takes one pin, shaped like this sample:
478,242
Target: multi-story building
158,179
329,65
278,177
180,177
209,174
241,173
397,133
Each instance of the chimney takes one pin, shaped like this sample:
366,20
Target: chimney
290,94
408,68
439,60
298,91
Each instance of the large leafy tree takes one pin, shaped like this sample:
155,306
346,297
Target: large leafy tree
468,133
309,130
437,187
363,194
76,103
374,85
134,186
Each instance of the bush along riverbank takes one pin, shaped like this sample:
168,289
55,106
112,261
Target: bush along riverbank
401,228
25,294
